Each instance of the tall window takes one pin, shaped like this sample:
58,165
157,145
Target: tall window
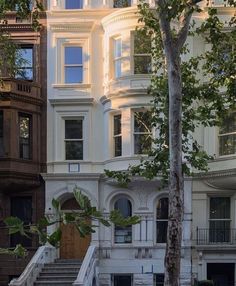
219,219
123,234
74,139
142,53
74,4
227,135
73,67
117,135
162,220
25,136
24,63
1,134
121,3
21,207
117,57
142,132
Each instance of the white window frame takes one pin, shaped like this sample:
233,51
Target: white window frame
74,140
59,131
117,60
133,132
73,65
221,135
82,42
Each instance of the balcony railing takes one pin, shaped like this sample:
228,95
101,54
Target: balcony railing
20,87
207,236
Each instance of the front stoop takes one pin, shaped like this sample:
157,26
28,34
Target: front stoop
62,272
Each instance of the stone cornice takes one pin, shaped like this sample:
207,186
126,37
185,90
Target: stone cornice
120,15
71,101
70,176
21,98
85,26
216,174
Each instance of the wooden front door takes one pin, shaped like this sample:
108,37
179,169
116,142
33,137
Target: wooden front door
73,246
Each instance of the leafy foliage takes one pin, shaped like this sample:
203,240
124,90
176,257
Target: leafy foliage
208,89
81,219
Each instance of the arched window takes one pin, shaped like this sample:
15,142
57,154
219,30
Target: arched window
161,220
123,234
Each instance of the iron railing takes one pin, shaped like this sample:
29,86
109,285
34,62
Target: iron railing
211,236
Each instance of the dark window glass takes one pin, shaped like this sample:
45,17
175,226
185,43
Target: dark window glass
74,139
142,53
1,134
117,136
73,64
74,4
121,3
159,279
21,207
25,136
162,220
24,63
122,280
123,234
219,219
227,136
142,132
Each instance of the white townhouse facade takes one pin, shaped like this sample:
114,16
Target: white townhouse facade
98,118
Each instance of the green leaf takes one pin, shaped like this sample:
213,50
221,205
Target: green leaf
55,237
56,204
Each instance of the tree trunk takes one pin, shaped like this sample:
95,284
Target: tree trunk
174,234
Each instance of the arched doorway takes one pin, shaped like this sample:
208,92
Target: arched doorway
72,246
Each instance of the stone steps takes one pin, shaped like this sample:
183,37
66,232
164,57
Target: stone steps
60,273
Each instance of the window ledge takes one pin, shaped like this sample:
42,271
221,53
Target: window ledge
73,85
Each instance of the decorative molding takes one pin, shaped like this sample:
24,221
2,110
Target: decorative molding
85,26
71,101
71,176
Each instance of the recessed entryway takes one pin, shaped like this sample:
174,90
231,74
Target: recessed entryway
221,273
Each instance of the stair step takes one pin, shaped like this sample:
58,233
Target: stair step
53,283
63,274
68,261
62,265
52,270
53,278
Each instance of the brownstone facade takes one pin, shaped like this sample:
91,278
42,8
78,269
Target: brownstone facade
22,142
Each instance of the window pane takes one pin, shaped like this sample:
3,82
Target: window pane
142,122
118,146
24,63
73,4
74,150
73,74
219,208
123,234
219,231
117,124
121,3
24,136
227,144
117,45
142,64
162,208
142,143
124,206
159,278
142,43
73,55
161,228
117,68
73,129
21,207
122,280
